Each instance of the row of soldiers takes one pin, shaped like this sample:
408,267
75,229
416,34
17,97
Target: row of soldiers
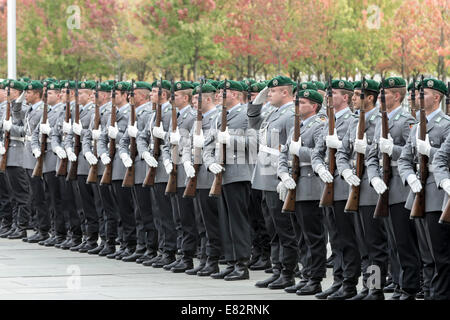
237,140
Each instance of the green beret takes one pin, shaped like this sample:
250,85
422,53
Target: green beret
435,84
320,85
342,84
195,83
165,84
183,85
110,82
50,80
142,85
394,82
231,85
215,83
35,85
249,81
206,88
53,86
369,85
18,85
244,85
122,86
90,85
105,86
258,86
307,85
71,84
416,85
25,79
280,81
3,84
312,95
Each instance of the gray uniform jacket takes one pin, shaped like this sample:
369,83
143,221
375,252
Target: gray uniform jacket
441,165
320,153
273,130
16,148
32,120
438,129
58,138
204,177
346,156
237,164
144,140
399,129
184,123
143,114
309,187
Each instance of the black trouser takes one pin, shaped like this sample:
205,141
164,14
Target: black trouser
210,215
38,202
407,246
70,211
144,211
284,230
275,250
310,217
440,243
201,231
351,258
126,211
362,247
330,222
163,215
394,262
6,205
100,211
110,211
177,220
188,224
304,254
55,193
234,222
426,255
260,237
88,204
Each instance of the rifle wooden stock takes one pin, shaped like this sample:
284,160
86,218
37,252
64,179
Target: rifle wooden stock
93,169
4,160
39,166
418,208
171,187
107,173
128,180
413,99
382,207
62,168
73,171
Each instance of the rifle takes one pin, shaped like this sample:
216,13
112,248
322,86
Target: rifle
128,180
418,208
151,174
39,166
171,187
191,187
62,169
413,99
93,170
4,160
327,198
445,216
382,208
352,204
216,188
72,175
107,174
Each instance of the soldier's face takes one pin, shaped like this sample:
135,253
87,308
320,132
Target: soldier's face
2,95
53,97
155,95
14,94
431,99
307,108
84,96
356,100
338,98
181,99
253,95
276,96
32,96
195,101
141,96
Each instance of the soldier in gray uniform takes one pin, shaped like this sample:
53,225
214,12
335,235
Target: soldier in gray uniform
146,231
405,238
234,201
15,174
374,233
342,91
123,195
161,205
273,130
436,285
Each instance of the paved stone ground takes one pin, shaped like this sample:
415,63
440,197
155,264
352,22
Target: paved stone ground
31,271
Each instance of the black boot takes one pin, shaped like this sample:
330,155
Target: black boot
266,282
18,234
212,266
79,246
240,272
109,248
148,255
172,264
344,293
127,252
285,280
186,263
51,240
311,288
361,295
73,242
139,252
150,262
193,271
38,236
6,232
116,253
297,287
374,294
165,260
334,287
262,263
97,249
221,274
91,243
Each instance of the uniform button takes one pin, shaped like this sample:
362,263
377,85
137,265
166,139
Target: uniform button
309,174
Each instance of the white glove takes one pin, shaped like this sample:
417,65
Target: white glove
199,140
105,159
77,127
132,131
67,127
159,132
21,98
424,147
445,184
414,183
36,153
378,184
44,128
151,161
60,152
350,178
387,145
90,158
70,155
168,166
224,137
324,174
7,124
282,191
113,131
189,169
294,147
175,137
287,180
127,162
96,133
215,168
2,149
333,141
262,96
361,145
